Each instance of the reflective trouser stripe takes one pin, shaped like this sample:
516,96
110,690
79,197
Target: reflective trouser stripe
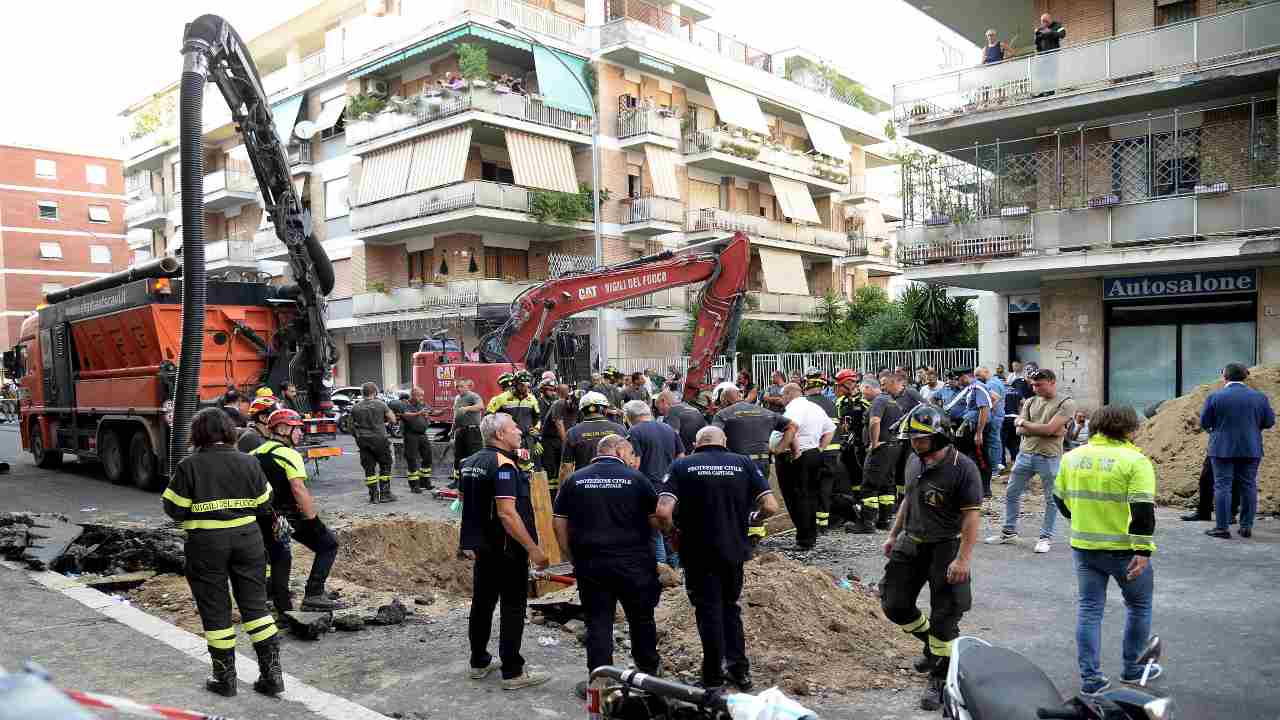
224,639
824,519
857,488
263,634
887,500
218,524
757,531
902,489
413,475
920,624
370,479
871,502
260,629
940,648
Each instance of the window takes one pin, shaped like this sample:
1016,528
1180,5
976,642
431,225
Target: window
50,251
99,214
495,173
420,268
99,254
47,288
48,209
46,169
335,199
501,263
95,174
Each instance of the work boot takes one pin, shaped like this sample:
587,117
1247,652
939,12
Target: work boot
932,697
863,522
373,492
223,678
384,491
413,486
882,517
424,481
317,600
270,676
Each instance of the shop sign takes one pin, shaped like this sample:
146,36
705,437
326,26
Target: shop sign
1180,285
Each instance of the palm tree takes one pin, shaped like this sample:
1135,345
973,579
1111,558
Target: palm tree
934,319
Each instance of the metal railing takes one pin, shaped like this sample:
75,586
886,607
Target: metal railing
240,251
671,298
146,204
722,368
685,29
440,104
739,144
1178,47
1181,153
299,154
454,294
706,219
436,201
863,245
866,361
530,17
653,209
230,181
638,121
781,303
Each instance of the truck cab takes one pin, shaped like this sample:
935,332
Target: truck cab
438,366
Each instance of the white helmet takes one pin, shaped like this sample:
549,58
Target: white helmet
726,385
593,399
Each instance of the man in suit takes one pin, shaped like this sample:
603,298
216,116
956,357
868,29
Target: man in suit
1235,417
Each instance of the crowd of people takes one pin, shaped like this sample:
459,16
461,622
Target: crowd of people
639,476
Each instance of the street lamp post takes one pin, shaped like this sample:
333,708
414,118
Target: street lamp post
601,337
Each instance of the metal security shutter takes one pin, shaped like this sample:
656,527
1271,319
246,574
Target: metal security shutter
407,349
365,364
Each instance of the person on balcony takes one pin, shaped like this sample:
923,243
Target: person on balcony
995,49
1049,37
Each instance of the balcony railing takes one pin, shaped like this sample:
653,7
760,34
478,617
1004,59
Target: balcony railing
653,209
437,105
452,295
530,17
464,195
299,154
869,246
726,221
1181,153
781,303
673,298
230,181
1190,45
231,251
146,204
747,146
664,21
641,122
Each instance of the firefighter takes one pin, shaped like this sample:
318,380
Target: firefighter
931,542
218,495
815,386
847,495
295,510
747,429
505,381
881,415
417,446
369,420
593,425
522,406
258,431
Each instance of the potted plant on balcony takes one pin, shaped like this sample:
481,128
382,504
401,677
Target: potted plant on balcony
473,64
364,107
1213,175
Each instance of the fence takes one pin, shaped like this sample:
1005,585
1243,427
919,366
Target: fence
865,361
722,369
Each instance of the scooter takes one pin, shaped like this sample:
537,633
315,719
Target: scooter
985,682
618,694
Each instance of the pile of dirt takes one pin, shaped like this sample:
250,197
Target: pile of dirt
805,633
403,555
1176,444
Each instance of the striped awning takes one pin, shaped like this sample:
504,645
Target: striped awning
541,162
560,80
385,173
435,42
284,115
329,116
783,272
662,169
738,107
827,137
440,159
794,199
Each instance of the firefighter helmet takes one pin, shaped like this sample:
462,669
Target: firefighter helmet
593,399
261,404
844,375
523,377
922,421
813,379
504,380
612,372
284,416
264,391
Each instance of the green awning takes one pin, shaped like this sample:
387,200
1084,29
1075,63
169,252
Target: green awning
561,83
284,114
431,43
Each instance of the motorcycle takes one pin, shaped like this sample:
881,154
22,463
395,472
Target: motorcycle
986,682
617,694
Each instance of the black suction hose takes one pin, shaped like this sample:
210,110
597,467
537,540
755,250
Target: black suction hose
186,398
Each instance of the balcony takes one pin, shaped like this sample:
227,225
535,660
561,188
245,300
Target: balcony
299,155
139,148
873,253
710,223
671,302
640,126
147,210
230,255
660,19
436,110
780,306
1123,68
267,246
475,205
645,216
457,298
229,188
745,154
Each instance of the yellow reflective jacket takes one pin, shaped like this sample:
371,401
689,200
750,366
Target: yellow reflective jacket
1096,482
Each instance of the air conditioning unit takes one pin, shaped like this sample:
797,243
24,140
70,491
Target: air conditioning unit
377,87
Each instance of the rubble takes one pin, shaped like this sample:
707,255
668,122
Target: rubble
403,555
349,622
804,632
309,625
392,613
36,539
112,550
1177,445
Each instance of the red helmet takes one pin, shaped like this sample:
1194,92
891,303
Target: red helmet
261,404
286,417
843,375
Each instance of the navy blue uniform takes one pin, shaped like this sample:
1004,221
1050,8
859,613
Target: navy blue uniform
715,491
502,564
657,445
608,506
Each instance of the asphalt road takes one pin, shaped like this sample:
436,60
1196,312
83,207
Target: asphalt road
1215,606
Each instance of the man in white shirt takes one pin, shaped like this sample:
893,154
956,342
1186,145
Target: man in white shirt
799,471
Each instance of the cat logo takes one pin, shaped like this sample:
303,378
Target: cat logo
587,293
445,372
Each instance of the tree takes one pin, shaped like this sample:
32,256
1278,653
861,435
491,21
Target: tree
830,310
759,337
934,319
868,302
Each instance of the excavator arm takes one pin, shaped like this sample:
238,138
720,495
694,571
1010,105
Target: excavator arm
212,49
525,338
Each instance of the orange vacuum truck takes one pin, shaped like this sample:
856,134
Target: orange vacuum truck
115,368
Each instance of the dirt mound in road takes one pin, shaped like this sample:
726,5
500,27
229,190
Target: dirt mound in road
1176,444
804,632
403,555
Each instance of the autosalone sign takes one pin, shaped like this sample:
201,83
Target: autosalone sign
1214,282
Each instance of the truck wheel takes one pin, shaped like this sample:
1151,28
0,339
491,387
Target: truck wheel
344,424
111,454
47,459
146,473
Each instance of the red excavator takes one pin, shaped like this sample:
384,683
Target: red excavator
527,339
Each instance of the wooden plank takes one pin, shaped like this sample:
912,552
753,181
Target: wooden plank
541,492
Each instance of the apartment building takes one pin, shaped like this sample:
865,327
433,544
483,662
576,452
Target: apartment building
444,149
61,223
1118,196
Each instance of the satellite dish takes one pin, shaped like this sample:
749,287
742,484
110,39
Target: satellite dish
305,130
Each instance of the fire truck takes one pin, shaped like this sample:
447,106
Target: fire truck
114,369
